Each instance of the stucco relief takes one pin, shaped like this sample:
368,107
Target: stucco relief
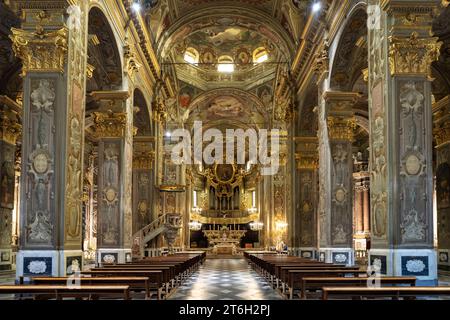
40,166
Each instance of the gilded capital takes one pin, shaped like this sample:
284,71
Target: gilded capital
143,160
341,128
413,55
40,51
109,125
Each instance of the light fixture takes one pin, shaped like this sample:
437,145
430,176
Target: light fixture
168,134
195,226
316,6
136,6
256,226
280,224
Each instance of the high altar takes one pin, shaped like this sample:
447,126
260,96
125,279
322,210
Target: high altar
224,240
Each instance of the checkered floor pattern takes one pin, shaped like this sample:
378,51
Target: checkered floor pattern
225,279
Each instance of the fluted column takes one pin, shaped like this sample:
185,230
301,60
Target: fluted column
113,130
10,130
441,113
401,50
52,46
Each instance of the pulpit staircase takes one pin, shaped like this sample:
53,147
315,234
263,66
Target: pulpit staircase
167,224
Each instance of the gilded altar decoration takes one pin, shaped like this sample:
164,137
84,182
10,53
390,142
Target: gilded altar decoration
341,128
413,55
109,125
39,50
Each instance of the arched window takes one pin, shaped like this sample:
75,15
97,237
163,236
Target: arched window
226,64
191,56
260,55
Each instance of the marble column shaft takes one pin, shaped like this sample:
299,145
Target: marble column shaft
53,53
400,55
113,130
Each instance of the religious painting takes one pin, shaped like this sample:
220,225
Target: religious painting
5,256
73,265
224,172
265,94
185,97
242,56
208,56
225,107
443,185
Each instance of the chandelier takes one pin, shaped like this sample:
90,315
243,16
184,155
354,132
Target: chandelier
195,226
256,226
280,224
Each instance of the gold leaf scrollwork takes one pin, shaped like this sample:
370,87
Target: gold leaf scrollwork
109,125
413,55
341,128
40,51
9,130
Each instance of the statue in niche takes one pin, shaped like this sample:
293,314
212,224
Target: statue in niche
339,235
340,158
40,228
412,104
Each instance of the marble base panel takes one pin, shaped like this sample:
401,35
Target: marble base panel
337,255
113,255
6,257
308,253
32,263
421,263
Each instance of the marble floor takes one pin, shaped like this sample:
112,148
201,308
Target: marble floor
225,279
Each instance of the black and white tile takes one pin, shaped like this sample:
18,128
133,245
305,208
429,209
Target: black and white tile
225,279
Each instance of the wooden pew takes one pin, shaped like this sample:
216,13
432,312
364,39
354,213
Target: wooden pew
60,292
295,276
135,283
155,277
383,292
317,283
284,271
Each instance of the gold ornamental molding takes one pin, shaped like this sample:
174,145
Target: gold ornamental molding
307,161
441,117
220,221
109,124
172,188
143,160
365,73
341,128
40,51
413,55
307,156
322,63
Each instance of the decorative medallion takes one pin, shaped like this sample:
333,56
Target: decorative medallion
110,194
40,163
340,195
413,165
